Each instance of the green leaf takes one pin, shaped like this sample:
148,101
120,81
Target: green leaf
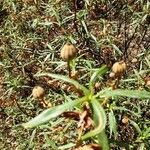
66,79
124,93
112,123
103,140
98,72
50,143
100,119
85,27
127,110
67,146
142,146
53,112
135,125
146,133
31,144
117,49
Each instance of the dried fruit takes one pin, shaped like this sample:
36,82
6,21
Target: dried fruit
112,75
68,52
134,60
147,80
148,83
119,67
38,92
97,86
125,120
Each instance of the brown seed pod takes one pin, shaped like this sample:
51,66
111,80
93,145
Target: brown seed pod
134,60
119,67
112,75
147,80
38,92
148,83
97,86
68,52
125,120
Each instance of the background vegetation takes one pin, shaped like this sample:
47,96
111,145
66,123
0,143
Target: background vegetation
32,33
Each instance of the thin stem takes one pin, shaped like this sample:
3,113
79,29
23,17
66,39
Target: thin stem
43,101
69,68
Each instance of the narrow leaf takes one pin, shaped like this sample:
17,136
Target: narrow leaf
135,125
66,79
98,72
127,110
117,49
66,146
50,143
53,112
124,93
100,118
85,27
31,140
112,123
103,140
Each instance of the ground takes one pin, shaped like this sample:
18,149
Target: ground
32,34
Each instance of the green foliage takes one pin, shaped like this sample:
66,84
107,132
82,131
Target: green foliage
66,79
32,33
126,93
53,112
112,123
99,115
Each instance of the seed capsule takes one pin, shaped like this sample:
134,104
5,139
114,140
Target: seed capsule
148,83
125,120
68,52
119,67
38,92
134,60
112,75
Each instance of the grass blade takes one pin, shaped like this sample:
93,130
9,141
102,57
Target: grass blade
50,143
135,125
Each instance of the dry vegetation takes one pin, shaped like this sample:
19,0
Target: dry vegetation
32,34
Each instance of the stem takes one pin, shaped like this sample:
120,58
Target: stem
69,68
43,101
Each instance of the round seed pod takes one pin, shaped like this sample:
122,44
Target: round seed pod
119,67
134,60
38,92
125,120
148,83
68,52
97,86
112,75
